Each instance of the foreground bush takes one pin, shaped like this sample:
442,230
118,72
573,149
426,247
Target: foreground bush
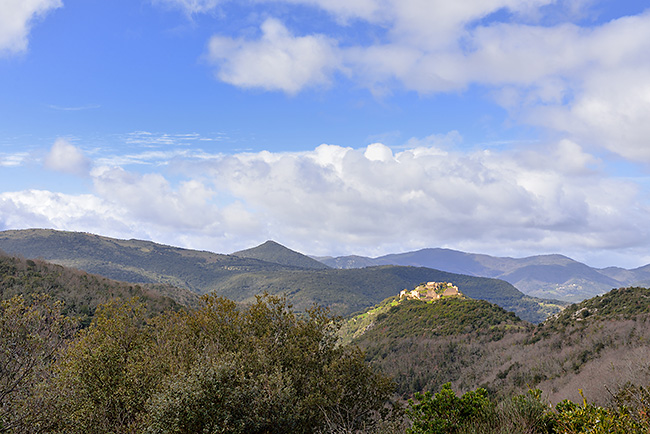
217,369
473,413
445,412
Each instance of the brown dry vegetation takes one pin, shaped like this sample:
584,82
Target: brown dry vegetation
597,353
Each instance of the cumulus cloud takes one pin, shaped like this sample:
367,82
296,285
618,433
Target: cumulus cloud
191,207
425,197
371,200
16,18
46,209
277,61
590,82
67,158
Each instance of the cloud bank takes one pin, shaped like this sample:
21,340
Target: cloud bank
368,200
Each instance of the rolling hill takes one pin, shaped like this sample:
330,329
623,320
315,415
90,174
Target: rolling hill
132,260
242,278
80,291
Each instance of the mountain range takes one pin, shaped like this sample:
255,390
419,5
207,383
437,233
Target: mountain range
545,276
243,275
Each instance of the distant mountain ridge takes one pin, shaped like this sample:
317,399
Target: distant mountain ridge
544,276
241,278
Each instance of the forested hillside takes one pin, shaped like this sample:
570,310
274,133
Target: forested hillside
242,278
596,346
81,292
215,369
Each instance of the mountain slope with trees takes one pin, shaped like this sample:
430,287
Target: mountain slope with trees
131,260
149,366
217,368
242,278
81,292
597,346
270,251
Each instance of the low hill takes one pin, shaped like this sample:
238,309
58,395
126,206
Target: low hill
622,303
349,291
80,291
271,251
597,345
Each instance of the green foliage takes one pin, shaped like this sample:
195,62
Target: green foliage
80,292
525,413
447,316
225,396
264,369
572,418
216,369
446,413
30,335
104,378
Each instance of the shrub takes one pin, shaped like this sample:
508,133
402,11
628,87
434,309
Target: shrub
446,413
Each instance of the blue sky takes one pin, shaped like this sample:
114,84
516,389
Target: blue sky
504,127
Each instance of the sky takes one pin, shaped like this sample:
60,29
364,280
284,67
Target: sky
334,127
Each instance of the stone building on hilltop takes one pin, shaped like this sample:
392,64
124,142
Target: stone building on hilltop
430,291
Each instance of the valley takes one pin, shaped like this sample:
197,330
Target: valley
431,331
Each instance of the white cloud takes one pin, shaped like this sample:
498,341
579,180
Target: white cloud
277,61
191,6
16,18
591,82
378,152
67,158
612,112
13,160
371,200
190,207
46,209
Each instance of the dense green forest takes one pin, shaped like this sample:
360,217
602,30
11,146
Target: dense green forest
81,353
82,292
214,369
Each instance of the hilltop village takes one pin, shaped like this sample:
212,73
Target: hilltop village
431,291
